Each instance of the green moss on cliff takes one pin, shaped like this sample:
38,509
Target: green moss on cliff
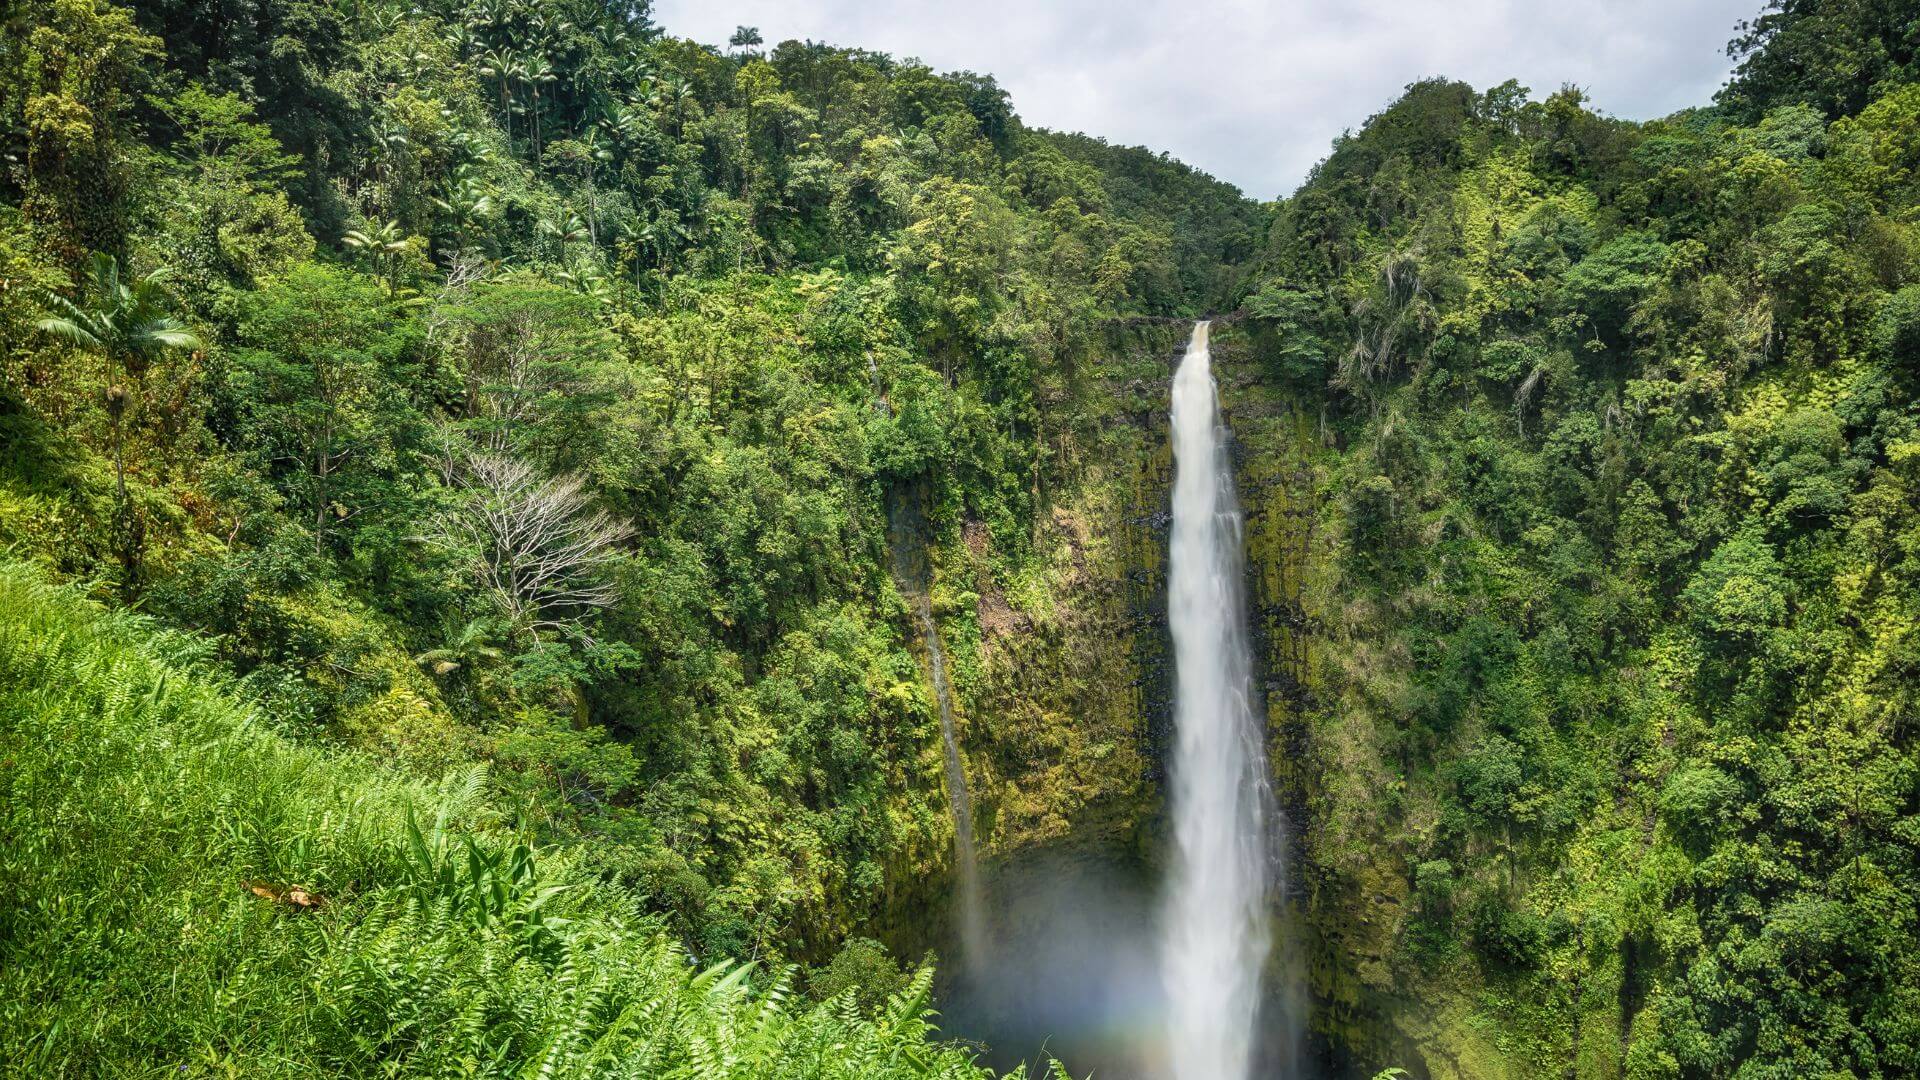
1604,756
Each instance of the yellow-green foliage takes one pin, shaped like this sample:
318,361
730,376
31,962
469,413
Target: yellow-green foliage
714,310
1603,750
184,892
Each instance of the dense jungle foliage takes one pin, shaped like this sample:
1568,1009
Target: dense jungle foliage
509,386
1617,575
424,937
459,461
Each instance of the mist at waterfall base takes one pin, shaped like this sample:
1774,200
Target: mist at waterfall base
1072,971
1090,959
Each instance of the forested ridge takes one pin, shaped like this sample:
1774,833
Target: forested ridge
513,387
467,471
1611,718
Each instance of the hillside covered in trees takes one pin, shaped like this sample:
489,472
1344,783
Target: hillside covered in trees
469,472
1611,722
512,387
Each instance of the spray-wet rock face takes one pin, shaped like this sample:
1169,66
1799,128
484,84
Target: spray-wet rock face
973,932
914,576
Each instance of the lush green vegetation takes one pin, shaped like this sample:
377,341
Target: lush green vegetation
460,464
184,890
505,383
1615,585
510,382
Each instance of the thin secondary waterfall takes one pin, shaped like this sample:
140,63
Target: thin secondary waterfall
973,925
912,572
1215,934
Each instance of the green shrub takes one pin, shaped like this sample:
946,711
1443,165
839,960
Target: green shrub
183,891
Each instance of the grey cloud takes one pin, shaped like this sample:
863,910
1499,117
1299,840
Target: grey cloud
1253,92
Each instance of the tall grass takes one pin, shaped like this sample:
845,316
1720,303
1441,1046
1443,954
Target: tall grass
184,892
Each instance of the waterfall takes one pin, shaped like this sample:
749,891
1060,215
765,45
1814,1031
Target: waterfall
1215,935
913,574
973,925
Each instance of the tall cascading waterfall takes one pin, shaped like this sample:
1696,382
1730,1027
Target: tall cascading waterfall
973,924
1215,934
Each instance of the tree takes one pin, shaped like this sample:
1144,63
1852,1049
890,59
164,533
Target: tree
388,246
468,208
953,259
566,229
537,369
538,549
126,321
745,38
1741,592
221,208
283,55
861,969
1835,55
505,68
221,139
536,71
64,96
322,391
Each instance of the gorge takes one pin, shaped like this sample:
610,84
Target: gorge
531,545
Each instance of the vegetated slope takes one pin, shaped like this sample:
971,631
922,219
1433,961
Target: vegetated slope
185,891
513,383
1613,582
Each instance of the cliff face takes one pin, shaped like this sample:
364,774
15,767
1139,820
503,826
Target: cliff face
1346,893
1063,677
1350,815
1059,669
1064,684
1066,680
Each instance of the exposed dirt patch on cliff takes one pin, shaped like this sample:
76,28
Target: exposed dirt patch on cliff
1074,537
997,617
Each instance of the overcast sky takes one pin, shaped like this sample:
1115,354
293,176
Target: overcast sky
1255,92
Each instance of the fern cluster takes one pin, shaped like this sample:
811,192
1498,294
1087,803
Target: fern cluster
152,831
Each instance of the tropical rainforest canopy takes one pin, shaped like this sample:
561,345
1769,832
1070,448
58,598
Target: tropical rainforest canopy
464,467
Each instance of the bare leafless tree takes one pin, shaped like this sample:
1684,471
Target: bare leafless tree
543,552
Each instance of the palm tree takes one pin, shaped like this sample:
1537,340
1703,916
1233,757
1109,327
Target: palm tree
468,204
588,282
503,65
746,39
679,95
385,244
651,239
624,125
469,646
597,154
491,14
461,39
566,231
125,320
537,70
389,149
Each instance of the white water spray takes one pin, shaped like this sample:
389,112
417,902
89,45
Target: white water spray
1215,934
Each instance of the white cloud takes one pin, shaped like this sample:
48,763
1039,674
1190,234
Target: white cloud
1255,92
